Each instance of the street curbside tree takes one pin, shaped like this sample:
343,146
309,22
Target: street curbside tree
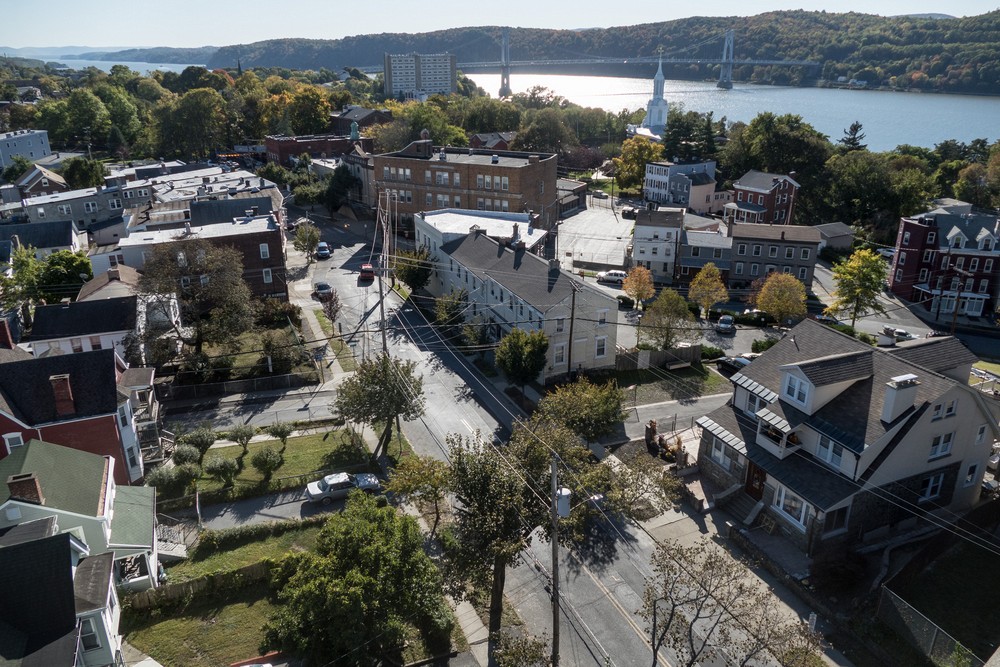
414,267
860,279
521,356
589,410
667,322
707,288
639,285
306,240
783,296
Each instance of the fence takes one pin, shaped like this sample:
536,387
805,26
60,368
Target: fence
181,392
673,358
222,581
917,629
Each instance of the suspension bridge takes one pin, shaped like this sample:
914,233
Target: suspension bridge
727,61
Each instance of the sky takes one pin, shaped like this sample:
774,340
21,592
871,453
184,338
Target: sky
191,23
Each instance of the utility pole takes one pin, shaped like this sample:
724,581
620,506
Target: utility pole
555,563
572,316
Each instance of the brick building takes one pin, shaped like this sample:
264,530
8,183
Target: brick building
281,149
341,121
425,178
762,198
943,259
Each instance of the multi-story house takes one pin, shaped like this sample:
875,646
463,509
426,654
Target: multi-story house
82,326
39,181
45,237
435,228
259,239
510,287
833,442
946,261
689,185
424,178
31,144
58,603
698,248
493,141
74,400
362,167
762,198
655,241
285,150
79,490
762,249
420,74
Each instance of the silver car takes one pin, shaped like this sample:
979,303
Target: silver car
338,485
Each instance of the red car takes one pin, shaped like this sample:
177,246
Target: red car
367,272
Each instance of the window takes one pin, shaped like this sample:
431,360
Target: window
265,251
76,344
971,474
133,462
122,416
974,264
656,250
601,349
796,389
12,440
786,269
504,183
791,506
981,435
717,253
789,253
754,269
95,343
457,180
959,263
923,276
90,206
739,269
719,454
936,412
772,251
830,451
804,254
88,635
479,181
741,249
902,259
128,194
760,200
944,262
835,520
496,182
114,204
941,445
950,410
427,176
802,272
756,250
931,486
602,318
479,204
984,285
754,404
931,237
559,356
65,209
899,275
988,265
928,255
267,276
906,238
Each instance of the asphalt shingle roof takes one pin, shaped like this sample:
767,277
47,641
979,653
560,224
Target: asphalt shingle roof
26,391
938,354
834,229
795,233
84,318
133,510
759,180
93,582
40,235
71,480
837,368
126,275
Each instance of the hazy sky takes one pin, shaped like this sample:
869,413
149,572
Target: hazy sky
185,23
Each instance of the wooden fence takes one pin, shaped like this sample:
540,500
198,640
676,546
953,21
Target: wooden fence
678,357
221,581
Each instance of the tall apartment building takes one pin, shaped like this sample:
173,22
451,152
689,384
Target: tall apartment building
32,144
411,74
425,178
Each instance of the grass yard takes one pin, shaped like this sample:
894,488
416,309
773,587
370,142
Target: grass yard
246,355
340,349
206,636
987,366
305,454
220,561
654,386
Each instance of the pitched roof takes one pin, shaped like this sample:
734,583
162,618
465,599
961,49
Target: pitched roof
760,180
26,391
700,178
40,172
92,582
120,276
28,531
522,273
84,318
137,377
664,217
836,368
793,233
834,229
938,354
41,235
71,480
214,211
134,510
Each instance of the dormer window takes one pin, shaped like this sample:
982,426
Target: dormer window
986,244
957,242
796,389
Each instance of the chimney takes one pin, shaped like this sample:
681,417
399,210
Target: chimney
514,235
63,394
187,228
495,159
782,234
475,230
886,337
114,274
532,159
900,393
26,488
6,338
553,266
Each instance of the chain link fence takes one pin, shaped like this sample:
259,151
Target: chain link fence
920,631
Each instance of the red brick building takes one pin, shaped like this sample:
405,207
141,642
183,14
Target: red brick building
281,149
762,198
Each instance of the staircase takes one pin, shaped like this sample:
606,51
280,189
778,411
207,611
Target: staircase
742,507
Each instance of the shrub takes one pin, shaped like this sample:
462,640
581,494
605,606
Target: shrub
266,461
186,454
211,541
709,352
762,344
222,469
754,319
845,328
201,439
241,435
173,481
185,475
625,302
274,313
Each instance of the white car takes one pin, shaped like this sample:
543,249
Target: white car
338,485
617,277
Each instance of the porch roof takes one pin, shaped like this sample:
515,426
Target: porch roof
133,522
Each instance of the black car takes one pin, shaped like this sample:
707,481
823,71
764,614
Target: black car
730,365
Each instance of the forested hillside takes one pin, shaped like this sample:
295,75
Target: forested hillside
949,55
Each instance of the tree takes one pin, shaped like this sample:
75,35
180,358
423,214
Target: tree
87,116
521,356
589,410
545,131
422,479
280,431
972,186
195,124
383,389
519,651
638,284
414,268
201,439
266,461
215,301
309,111
707,288
277,355
860,279
307,238
82,173
19,165
222,469
338,188
667,322
783,296
370,579
630,168
242,434
332,306
853,136
476,334
449,310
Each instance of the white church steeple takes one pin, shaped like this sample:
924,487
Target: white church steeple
656,110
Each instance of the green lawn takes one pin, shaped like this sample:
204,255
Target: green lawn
207,636
246,355
305,454
654,386
342,351
220,561
987,366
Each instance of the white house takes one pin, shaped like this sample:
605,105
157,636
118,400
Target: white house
433,229
656,241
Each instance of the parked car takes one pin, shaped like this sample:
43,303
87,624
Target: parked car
617,277
600,194
903,334
729,365
323,250
829,320
324,291
338,485
726,325
629,213
367,272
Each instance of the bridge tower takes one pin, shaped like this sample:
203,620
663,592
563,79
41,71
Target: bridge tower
505,90
726,72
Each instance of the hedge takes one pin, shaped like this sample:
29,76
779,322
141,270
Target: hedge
709,352
212,541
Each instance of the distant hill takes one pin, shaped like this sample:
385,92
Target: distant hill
927,16
949,54
158,54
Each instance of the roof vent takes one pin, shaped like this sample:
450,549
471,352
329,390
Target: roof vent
495,159
442,155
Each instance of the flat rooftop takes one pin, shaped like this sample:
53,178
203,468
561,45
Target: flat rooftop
261,223
495,224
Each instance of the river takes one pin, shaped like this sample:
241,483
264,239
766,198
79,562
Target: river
106,65
889,119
